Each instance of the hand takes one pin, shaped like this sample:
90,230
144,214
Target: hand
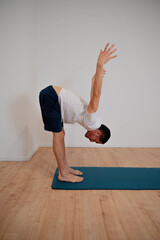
105,55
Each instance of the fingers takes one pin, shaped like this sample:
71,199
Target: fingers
106,54
104,71
113,56
109,49
106,46
113,51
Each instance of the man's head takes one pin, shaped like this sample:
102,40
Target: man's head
100,135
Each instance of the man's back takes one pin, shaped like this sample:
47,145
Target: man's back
57,89
74,109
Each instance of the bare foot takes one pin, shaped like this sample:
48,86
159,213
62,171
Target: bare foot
75,172
68,177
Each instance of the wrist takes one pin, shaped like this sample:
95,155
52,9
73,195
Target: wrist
99,65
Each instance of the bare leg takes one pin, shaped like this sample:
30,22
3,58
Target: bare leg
59,151
70,170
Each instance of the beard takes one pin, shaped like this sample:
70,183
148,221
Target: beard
88,134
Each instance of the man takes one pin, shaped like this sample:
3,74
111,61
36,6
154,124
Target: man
60,105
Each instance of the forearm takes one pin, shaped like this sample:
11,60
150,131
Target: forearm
98,80
93,78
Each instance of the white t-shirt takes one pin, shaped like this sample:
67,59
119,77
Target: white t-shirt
74,109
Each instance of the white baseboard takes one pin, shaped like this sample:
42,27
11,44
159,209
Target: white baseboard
28,157
93,145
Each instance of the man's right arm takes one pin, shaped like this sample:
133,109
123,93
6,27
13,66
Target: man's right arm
98,80
103,58
93,80
96,90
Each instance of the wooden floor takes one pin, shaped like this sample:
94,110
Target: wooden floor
30,209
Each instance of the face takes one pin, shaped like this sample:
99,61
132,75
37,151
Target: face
93,136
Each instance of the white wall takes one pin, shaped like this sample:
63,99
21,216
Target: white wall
14,88
57,42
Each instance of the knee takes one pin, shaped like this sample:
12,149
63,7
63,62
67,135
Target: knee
59,135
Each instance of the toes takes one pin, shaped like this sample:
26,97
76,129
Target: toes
75,172
79,173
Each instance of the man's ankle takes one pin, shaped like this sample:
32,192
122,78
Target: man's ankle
63,171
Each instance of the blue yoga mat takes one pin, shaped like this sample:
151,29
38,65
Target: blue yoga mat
112,178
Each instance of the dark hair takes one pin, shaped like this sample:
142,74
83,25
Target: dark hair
105,134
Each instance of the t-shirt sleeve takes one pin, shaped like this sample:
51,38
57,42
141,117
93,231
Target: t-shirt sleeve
92,120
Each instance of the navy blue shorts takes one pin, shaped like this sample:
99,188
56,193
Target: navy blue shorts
50,109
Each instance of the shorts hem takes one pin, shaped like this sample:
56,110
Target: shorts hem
52,130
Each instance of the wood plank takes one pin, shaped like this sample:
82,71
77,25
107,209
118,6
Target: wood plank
30,209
